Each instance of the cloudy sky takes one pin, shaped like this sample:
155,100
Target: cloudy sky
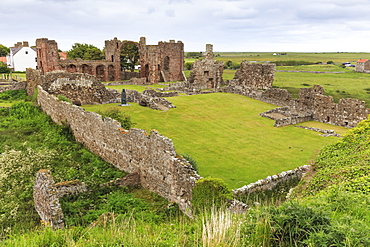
230,25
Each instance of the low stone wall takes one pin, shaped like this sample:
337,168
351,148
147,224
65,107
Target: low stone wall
153,93
126,75
284,116
147,100
152,156
13,86
271,182
324,132
46,196
276,96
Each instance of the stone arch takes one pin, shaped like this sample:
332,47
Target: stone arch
71,68
100,72
111,72
145,71
86,69
166,63
129,55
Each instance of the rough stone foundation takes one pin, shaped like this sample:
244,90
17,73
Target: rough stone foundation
46,196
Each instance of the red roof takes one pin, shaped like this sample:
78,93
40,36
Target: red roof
362,60
63,55
3,59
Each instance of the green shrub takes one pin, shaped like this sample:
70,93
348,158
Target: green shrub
116,114
191,160
210,192
12,95
188,65
64,98
4,112
292,224
292,63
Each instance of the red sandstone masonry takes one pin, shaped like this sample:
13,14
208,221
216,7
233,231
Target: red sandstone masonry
152,156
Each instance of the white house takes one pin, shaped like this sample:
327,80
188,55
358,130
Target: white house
21,57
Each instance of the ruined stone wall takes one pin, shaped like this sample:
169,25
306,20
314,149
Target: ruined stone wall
33,80
147,99
152,156
47,55
80,88
276,96
125,75
311,104
163,62
346,113
153,93
103,70
285,116
46,196
172,60
206,73
271,182
14,86
255,76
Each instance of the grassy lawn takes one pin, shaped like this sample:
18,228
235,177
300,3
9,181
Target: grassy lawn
226,136
311,57
135,87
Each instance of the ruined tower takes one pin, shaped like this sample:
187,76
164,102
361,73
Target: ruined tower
206,73
162,62
47,55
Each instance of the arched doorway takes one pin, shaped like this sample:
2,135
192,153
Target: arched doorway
166,63
71,68
111,73
86,69
100,72
129,56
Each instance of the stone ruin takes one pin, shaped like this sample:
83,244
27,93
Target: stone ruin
84,89
206,73
255,76
271,182
81,89
46,194
311,104
162,62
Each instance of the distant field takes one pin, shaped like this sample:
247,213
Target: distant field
226,136
311,57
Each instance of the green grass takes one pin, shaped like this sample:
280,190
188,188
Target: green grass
311,57
136,87
226,136
317,67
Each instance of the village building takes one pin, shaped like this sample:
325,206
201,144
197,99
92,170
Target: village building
363,65
21,57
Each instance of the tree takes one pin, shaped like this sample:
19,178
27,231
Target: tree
129,56
194,54
4,51
4,68
85,52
